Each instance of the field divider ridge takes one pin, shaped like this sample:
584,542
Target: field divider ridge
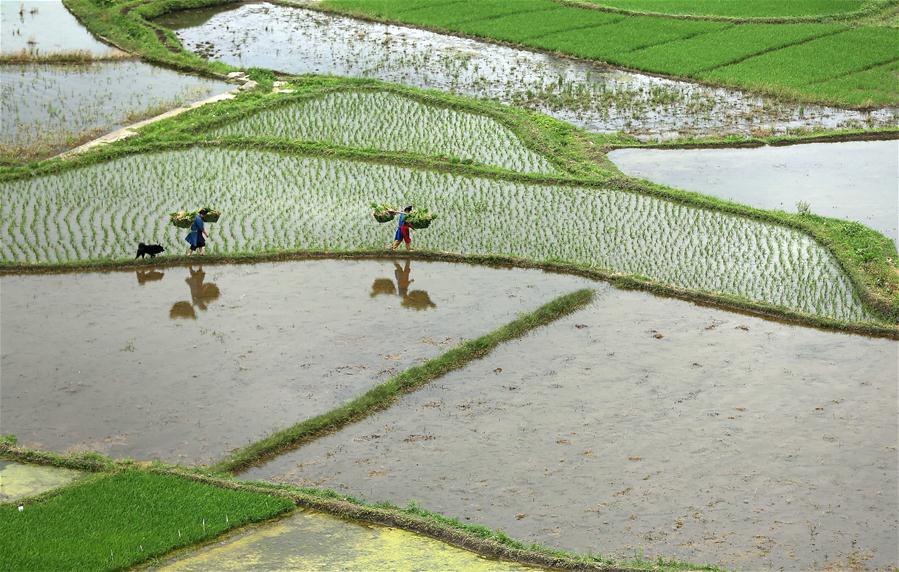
384,395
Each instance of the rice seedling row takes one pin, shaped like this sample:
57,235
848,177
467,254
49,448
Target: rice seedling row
47,106
738,8
391,122
299,41
272,202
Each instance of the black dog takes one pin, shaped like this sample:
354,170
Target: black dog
151,249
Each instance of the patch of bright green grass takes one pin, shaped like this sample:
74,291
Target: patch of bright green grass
531,24
448,13
723,47
609,43
815,61
867,87
738,8
118,520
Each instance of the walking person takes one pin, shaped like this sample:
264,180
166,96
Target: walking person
197,235
403,230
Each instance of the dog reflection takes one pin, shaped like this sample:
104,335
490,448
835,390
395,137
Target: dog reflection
144,276
416,299
202,294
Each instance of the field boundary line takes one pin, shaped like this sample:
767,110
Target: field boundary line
845,16
574,29
681,39
430,6
853,72
746,57
383,395
503,15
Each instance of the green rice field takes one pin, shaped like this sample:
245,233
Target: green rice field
275,202
784,59
389,122
738,8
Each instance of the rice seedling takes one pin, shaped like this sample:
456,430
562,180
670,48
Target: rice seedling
390,122
738,8
43,28
282,202
299,41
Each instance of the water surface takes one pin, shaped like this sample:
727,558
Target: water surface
184,364
44,27
856,180
19,480
652,426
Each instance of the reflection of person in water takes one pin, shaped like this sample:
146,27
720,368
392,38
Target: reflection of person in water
144,276
201,294
416,299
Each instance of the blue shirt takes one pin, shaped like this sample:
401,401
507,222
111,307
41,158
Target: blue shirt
402,219
197,226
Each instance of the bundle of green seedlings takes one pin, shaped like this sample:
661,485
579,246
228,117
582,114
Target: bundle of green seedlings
417,219
184,219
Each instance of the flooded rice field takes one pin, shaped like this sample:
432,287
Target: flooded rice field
58,106
184,364
853,180
299,41
103,210
312,541
651,426
19,480
390,122
43,27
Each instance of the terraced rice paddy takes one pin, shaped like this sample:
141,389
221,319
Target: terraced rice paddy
650,426
390,122
854,180
48,108
588,95
44,27
101,211
131,373
792,60
315,541
18,480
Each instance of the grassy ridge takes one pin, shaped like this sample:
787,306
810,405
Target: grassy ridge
383,395
794,71
116,520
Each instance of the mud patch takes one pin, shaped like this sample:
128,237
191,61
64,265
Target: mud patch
315,541
18,480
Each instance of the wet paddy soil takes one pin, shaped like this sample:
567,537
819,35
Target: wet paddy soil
185,364
18,480
645,425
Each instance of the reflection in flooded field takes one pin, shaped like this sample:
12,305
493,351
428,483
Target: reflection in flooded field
187,363
652,426
416,299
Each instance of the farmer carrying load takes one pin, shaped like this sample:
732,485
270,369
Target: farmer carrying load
197,235
403,230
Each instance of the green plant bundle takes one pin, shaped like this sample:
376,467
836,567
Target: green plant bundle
420,218
383,213
184,219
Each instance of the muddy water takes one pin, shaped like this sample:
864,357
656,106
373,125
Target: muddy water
44,27
597,98
51,105
315,541
854,180
20,481
184,364
647,425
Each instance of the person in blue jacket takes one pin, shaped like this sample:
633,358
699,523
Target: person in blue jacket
197,236
403,230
